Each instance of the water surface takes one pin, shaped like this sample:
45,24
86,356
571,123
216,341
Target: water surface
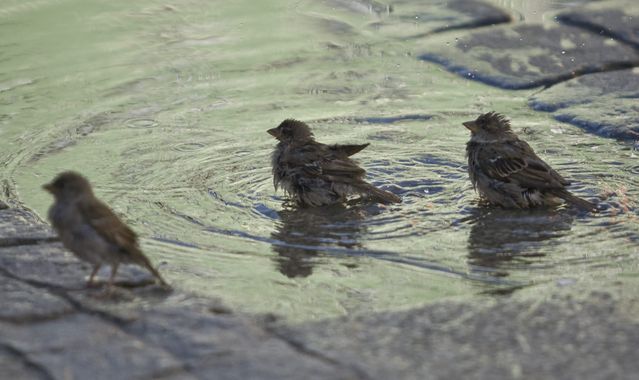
165,108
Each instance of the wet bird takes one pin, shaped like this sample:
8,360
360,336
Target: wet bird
315,174
506,171
89,229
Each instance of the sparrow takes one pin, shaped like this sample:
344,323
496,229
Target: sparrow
315,174
506,171
89,229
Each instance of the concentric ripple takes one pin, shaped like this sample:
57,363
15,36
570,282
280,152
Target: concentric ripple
172,134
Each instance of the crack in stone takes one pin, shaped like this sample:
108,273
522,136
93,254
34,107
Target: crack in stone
568,19
18,241
546,82
613,66
483,23
317,355
113,320
24,358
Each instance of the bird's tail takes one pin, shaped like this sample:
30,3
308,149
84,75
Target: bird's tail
141,259
579,202
157,275
382,196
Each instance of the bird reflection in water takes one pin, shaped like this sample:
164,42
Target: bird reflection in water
503,239
304,233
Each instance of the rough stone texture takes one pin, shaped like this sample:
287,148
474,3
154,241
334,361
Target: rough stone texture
85,347
45,263
411,19
588,61
560,338
618,20
529,55
606,103
13,367
22,302
20,227
51,326
51,264
230,346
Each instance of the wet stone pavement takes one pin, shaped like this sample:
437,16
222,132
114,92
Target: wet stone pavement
52,327
577,61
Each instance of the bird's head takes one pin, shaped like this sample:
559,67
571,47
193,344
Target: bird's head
291,130
68,185
489,127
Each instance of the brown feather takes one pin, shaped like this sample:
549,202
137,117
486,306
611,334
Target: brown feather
316,174
349,149
507,172
107,224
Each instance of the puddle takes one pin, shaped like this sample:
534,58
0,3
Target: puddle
186,157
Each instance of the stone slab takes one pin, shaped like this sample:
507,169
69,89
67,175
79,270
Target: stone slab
181,336
606,104
44,263
526,56
24,303
615,19
85,347
24,240
18,226
559,338
411,19
13,367
229,346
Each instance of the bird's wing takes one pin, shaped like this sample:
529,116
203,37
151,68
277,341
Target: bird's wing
516,161
348,150
108,225
319,160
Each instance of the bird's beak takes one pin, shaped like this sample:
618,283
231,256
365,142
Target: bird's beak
275,132
48,187
471,125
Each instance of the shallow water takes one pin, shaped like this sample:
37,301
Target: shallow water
165,108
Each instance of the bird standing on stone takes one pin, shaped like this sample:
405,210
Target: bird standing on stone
506,171
89,229
315,174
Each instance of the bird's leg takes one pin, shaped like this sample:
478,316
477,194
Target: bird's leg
114,270
96,268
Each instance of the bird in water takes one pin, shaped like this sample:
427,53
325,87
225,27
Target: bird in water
89,229
315,174
506,171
